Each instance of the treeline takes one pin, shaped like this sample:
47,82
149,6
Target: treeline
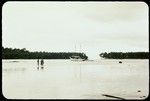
9,53
126,55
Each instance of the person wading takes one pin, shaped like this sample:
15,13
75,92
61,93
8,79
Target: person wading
42,62
38,62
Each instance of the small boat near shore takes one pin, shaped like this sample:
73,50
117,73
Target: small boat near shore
76,58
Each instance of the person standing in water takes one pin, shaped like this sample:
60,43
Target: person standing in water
42,62
38,62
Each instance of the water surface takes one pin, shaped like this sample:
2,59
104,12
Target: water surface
65,79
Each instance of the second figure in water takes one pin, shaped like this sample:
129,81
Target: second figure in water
40,62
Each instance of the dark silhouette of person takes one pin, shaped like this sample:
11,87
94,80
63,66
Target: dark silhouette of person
42,62
38,62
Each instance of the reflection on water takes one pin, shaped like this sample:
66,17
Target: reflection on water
77,72
14,61
13,69
68,79
40,67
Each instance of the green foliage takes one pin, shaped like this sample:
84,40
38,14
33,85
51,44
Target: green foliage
9,53
127,55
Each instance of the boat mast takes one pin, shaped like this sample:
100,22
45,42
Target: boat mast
80,48
75,48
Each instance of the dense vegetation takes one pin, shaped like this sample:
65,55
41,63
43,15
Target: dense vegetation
9,53
127,55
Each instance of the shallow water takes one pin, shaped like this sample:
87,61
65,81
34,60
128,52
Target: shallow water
65,79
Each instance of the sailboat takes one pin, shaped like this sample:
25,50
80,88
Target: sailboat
76,57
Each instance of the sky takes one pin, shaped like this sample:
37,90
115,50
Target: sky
89,27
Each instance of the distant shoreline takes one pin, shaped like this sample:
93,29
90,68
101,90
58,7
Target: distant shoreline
125,55
9,53
69,59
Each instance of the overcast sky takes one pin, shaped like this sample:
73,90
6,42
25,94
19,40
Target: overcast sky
60,26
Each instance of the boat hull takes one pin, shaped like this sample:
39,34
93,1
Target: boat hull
76,58
72,59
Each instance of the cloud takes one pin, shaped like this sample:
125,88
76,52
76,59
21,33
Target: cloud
116,11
